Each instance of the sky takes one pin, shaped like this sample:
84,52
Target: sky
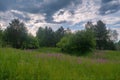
55,13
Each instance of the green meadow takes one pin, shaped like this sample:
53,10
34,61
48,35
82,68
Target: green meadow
51,64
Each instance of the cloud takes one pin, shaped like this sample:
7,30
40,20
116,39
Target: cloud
111,19
34,29
86,11
51,7
109,6
55,13
48,7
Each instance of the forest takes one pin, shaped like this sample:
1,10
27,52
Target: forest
93,37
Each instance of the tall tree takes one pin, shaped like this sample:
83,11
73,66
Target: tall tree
40,35
104,38
59,34
101,35
46,37
16,33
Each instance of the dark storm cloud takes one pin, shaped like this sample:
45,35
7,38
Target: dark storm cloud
21,16
17,4
49,7
106,1
109,6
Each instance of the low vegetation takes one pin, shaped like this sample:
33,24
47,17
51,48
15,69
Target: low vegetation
41,65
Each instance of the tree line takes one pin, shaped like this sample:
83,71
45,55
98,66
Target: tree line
16,35
92,37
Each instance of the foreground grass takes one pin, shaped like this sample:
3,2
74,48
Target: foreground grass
36,65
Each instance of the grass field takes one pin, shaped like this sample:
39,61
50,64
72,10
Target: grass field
51,64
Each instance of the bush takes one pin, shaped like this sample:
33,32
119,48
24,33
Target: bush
65,43
82,42
30,43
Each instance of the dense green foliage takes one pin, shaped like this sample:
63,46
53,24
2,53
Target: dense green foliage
59,34
48,38
101,35
105,39
15,34
32,65
31,42
81,41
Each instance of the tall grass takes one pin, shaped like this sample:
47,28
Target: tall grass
49,50
25,65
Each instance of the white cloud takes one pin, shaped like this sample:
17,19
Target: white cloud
111,18
86,11
34,29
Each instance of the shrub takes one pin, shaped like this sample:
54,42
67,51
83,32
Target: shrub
65,43
82,42
30,43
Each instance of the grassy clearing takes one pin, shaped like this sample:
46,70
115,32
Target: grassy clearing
36,65
49,50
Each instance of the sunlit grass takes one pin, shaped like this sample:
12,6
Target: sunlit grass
36,65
